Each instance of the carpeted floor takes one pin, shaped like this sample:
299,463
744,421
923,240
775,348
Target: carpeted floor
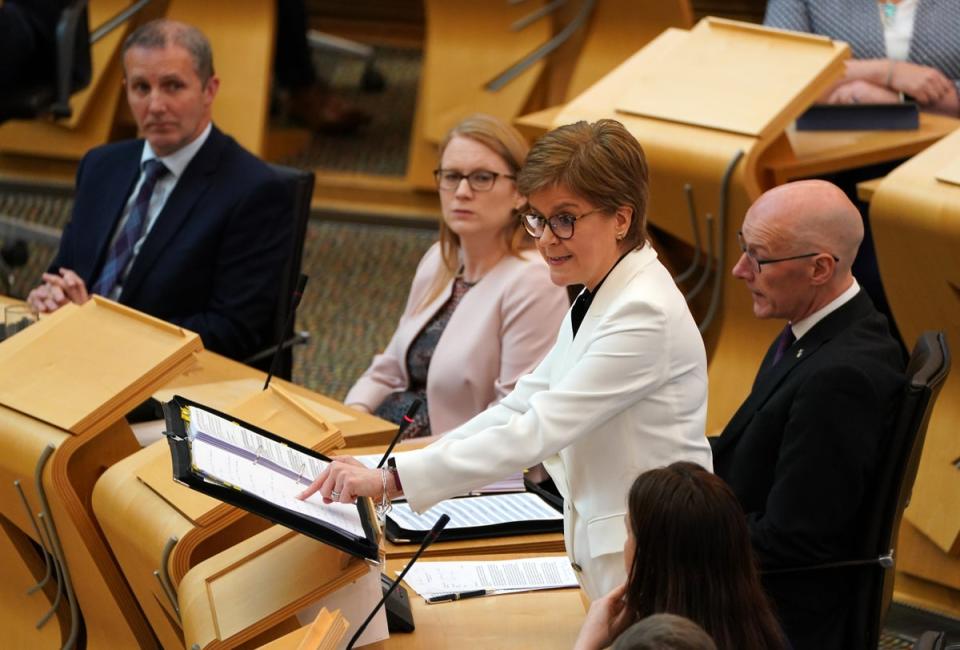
381,146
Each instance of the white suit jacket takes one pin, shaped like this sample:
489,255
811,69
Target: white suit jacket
499,332
626,395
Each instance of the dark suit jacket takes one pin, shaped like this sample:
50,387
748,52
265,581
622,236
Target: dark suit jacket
213,260
801,454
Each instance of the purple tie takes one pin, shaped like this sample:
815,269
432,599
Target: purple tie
122,250
785,341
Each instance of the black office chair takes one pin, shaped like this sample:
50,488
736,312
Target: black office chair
926,372
301,184
72,71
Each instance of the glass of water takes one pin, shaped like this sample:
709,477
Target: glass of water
17,318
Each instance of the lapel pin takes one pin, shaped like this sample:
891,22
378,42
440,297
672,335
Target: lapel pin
799,353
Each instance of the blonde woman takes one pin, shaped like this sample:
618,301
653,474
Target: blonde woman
482,310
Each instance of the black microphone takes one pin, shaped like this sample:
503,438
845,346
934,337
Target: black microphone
15,253
404,423
297,295
430,538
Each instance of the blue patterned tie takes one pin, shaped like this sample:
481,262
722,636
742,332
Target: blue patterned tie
122,250
785,341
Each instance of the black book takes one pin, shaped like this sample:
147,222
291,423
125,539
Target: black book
860,117
251,468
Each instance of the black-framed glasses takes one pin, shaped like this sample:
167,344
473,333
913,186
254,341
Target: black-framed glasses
757,264
479,180
560,224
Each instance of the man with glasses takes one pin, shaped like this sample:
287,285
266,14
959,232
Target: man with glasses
801,452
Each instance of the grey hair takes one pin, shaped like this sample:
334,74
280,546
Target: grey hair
156,34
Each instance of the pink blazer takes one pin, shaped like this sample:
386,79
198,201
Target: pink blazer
501,329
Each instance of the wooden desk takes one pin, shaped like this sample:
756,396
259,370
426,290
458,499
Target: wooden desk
914,214
139,521
816,153
539,619
219,382
546,619
49,465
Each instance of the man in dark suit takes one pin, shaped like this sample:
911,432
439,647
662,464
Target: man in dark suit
184,225
802,450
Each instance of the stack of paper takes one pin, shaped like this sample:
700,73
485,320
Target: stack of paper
439,579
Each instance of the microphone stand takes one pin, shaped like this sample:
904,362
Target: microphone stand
430,538
297,295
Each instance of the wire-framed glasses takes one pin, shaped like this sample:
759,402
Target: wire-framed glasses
479,180
561,224
757,264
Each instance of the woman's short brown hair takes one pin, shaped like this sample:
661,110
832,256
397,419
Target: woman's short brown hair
601,162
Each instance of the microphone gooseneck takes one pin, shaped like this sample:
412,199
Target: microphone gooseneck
430,538
404,423
297,295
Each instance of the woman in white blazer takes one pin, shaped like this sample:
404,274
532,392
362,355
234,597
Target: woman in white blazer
480,299
624,387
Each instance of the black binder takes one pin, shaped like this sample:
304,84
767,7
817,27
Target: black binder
184,472
399,535
860,117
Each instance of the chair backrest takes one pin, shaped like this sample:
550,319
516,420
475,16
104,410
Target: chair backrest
72,71
300,183
926,372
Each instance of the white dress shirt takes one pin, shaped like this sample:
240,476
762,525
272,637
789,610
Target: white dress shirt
175,163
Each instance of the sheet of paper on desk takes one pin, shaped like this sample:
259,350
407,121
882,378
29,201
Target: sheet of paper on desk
469,512
512,483
501,576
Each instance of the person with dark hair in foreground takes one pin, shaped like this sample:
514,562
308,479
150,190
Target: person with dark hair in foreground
687,553
801,452
664,632
185,224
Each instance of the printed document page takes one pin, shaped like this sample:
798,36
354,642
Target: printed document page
469,512
502,576
254,475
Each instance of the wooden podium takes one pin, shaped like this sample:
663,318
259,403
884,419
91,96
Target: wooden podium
67,383
915,215
249,593
159,530
578,44
708,104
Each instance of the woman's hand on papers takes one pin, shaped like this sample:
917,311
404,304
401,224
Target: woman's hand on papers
606,620
344,480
